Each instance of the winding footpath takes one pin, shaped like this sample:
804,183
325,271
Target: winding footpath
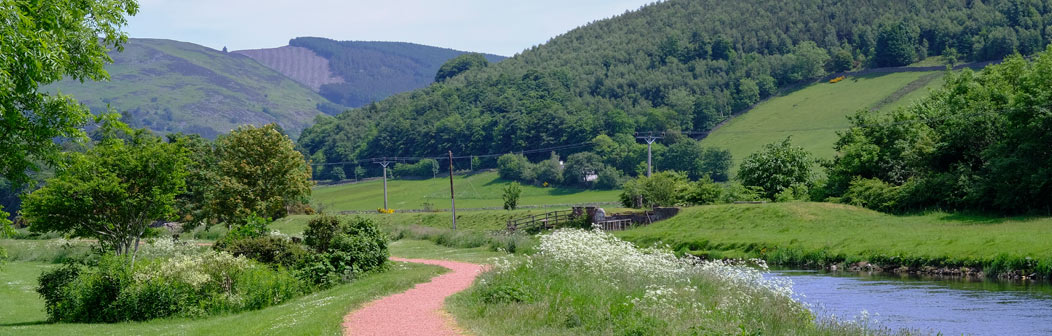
417,311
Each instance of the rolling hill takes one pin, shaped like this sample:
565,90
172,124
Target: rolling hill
355,73
677,65
172,86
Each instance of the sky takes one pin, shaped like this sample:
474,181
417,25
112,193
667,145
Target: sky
498,27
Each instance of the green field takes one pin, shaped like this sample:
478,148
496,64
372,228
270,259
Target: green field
852,233
814,114
321,313
482,190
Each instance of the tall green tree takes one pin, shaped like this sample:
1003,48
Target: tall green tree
896,45
260,173
112,192
459,64
44,41
777,167
41,42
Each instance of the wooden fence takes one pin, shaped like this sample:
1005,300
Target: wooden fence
615,225
535,223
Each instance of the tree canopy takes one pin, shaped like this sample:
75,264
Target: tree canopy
42,42
981,142
112,192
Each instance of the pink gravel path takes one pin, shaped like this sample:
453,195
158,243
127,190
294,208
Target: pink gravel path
417,311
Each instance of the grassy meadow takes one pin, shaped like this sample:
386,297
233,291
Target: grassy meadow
321,313
481,190
825,232
813,115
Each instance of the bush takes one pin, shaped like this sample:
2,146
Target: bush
344,250
421,168
873,194
511,195
703,192
777,167
662,189
609,178
270,250
253,227
320,231
514,167
735,192
549,171
194,285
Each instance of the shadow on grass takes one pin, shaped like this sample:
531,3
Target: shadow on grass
974,218
24,324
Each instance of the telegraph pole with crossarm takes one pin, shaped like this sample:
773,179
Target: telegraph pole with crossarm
384,162
650,137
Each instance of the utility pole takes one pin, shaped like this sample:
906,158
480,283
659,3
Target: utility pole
452,197
649,137
384,162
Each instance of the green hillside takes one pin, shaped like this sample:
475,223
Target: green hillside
677,65
474,191
171,86
814,114
373,70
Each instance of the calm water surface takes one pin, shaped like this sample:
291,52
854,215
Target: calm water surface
952,307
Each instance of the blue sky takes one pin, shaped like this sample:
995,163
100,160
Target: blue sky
500,27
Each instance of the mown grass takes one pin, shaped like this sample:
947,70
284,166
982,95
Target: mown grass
823,233
482,190
812,115
321,313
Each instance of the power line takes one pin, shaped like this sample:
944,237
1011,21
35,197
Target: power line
440,157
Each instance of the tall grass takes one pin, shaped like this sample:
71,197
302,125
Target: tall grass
496,241
591,283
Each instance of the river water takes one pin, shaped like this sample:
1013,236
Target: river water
950,307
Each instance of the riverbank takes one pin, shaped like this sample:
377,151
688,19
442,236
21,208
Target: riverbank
843,237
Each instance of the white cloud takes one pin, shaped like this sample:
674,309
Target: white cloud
476,25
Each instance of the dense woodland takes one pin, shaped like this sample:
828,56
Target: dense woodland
674,65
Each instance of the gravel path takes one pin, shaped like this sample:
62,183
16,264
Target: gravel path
417,311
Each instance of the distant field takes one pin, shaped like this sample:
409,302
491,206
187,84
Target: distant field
814,114
836,229
475,191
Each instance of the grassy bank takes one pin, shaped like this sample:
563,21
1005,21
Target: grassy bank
321,313
815,234
482,190
588,283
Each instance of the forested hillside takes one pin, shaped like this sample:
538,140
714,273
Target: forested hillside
674,65
371,71
170,86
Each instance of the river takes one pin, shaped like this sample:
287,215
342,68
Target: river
949,306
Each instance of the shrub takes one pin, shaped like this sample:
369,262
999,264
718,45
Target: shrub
320,231
253,227
344,250
511,195
777,167
271,250
548,172
735,192
609,178
514,167
662,189
421,168
189,285
873,194
702,192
